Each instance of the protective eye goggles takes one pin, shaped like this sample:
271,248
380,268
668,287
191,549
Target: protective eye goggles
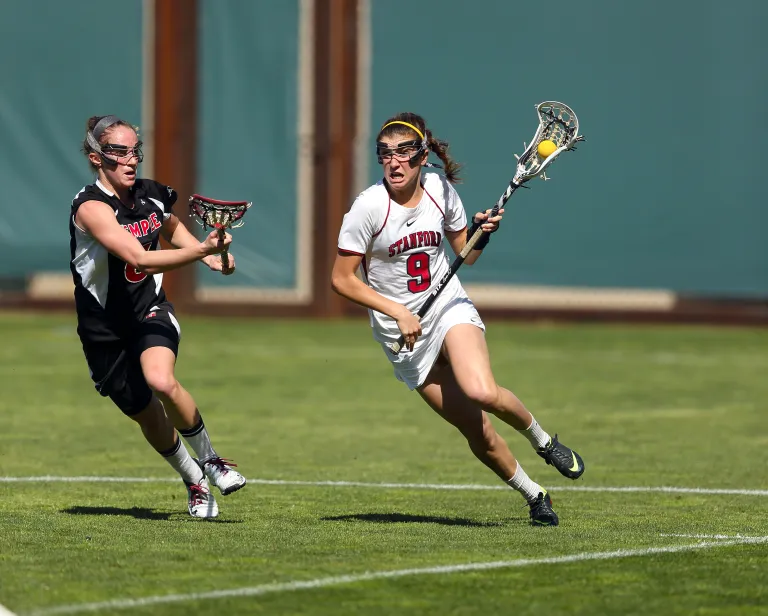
116,153
405,151
112,152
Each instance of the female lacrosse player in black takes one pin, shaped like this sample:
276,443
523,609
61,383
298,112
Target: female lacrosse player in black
394,231
128,329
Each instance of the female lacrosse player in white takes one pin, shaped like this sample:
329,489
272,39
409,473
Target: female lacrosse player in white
128,329
394,231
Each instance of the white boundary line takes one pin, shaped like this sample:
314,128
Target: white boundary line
4,611
698,536
393,486
251,591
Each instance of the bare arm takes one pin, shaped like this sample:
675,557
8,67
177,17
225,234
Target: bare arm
98,220
176,233
347,284
178,236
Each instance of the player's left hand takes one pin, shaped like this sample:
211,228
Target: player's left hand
214,262
488,224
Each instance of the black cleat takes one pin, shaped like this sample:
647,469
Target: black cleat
542,513
565,460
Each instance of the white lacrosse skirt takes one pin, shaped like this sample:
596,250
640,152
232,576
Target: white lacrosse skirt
413,367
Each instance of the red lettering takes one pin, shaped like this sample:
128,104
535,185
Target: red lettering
131,273
135,229
420,235
392,250
144,226
154,221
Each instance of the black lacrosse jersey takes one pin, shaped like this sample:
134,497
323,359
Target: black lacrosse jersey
111,297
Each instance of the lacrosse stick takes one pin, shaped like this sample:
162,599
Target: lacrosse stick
557,123
219,215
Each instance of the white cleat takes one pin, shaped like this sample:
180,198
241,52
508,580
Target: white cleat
221,474
201,503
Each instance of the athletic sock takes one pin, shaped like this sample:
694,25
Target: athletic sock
536,435
178,457
525,485
197,437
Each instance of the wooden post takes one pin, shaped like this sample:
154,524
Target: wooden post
175,120
335,129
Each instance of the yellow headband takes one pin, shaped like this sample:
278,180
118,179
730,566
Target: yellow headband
404,124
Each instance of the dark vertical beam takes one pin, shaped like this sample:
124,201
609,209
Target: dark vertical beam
175,154
335,129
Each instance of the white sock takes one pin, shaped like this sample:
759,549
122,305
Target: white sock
523,484
178,457
197,437
536,435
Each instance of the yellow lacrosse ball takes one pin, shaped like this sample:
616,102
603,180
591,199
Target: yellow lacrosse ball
546,148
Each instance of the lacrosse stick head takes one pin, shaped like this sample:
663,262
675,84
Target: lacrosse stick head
217,214
558,124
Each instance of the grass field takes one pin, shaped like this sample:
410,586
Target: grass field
297,404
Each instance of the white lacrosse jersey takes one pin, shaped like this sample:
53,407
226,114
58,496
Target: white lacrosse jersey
404,256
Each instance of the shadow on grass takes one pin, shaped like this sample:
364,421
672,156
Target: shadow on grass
141,513
394,518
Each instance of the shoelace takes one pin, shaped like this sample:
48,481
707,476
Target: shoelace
222,464
551,446
539,499
197,494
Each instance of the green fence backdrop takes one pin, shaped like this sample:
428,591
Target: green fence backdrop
248,93
666,192
62,62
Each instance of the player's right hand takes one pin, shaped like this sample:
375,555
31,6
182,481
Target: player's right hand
410,327
213,245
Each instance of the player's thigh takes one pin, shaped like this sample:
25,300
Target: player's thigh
117,374
157,365
465,347
157,345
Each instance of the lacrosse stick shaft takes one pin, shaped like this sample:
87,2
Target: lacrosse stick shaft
458,261
224,253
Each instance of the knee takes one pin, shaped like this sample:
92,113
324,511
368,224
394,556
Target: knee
164,385
483,393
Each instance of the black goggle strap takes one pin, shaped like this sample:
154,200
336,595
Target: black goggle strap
423,147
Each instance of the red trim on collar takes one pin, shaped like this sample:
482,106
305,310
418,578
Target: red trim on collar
389,208
435,202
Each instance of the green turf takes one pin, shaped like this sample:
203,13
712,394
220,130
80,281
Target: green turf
645,406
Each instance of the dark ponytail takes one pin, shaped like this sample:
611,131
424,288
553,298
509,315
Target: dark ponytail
440,148
450,166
